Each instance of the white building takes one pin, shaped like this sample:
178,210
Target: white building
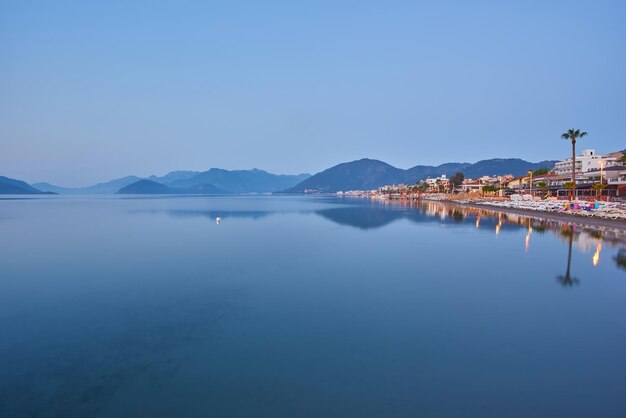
613,175
433,182
588,161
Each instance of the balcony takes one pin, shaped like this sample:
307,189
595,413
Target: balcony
617,180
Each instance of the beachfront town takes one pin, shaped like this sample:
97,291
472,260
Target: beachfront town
598,190
598,176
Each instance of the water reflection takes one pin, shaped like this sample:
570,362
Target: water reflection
499,225
366,214
587,238
620,258
211,214
596,255
567,280
109,307
527,243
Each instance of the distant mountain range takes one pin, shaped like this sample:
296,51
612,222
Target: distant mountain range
364,174
241,181
152,187
146,187
12,186
110,187
367,174
213,181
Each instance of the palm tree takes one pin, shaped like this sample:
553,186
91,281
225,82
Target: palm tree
573,135
439,185
599,187
543,186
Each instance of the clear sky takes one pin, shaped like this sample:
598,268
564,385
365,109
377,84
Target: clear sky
90,91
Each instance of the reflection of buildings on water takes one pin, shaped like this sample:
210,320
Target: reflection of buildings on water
587,242
588,239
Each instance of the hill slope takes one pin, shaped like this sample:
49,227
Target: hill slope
13,186
173,176
146,186
500,166
109,187
242,181
362,174
225,181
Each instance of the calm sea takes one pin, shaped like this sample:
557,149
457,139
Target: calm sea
305,307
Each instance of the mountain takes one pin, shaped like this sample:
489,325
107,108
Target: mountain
12,186
424,171
146,186
363,174
224,181
500,166
242,181
367,174
174,176
109,187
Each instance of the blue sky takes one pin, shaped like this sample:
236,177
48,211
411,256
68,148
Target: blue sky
95,90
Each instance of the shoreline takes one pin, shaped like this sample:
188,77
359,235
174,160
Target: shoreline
560,217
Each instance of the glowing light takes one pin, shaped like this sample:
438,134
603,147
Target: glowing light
499,225
596,255
530,231
477,222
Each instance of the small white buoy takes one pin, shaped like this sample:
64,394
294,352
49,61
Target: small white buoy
218,220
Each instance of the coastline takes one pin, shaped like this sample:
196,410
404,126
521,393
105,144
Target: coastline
560,217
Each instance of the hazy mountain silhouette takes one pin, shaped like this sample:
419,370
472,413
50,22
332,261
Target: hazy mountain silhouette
363,174
13,186
174,176
242,181
224,181
146,186
108,187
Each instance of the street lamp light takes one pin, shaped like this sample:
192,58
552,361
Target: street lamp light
601,170
601,177
530,181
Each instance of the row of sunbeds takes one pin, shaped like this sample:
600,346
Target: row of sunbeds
607,210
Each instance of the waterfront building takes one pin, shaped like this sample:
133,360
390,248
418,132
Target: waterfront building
443,179
470,185
612,176
551,179
518,182
589,160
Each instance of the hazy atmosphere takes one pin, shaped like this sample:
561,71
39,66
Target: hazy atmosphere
312,209
89,92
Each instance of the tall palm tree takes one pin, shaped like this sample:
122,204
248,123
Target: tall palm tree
573,135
